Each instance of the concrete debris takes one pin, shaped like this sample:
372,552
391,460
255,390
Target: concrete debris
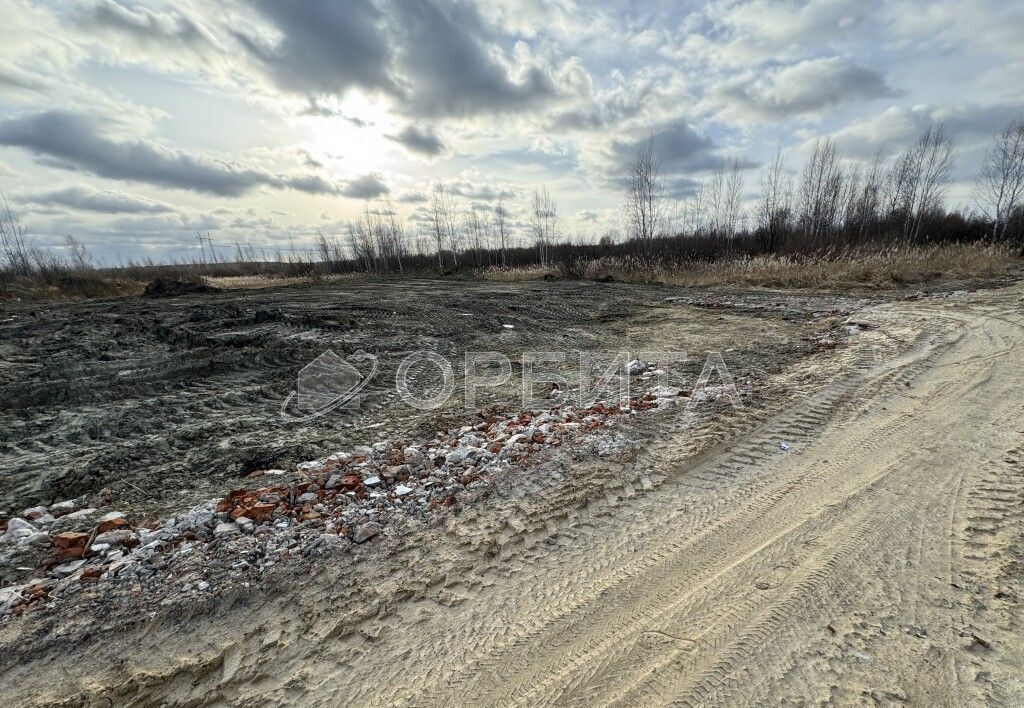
636,366
62,508
34,513
347,498
226,528
68,568
365,532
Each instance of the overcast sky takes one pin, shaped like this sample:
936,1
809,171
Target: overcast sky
133,124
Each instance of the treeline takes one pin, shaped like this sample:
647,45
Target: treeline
827,206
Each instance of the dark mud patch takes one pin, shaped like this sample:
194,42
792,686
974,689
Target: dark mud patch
177,287
165,400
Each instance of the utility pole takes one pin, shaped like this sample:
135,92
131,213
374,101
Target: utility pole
202,251
213,253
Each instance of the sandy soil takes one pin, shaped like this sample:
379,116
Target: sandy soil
877,560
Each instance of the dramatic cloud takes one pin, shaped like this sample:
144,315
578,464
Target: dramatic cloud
147,27
449,68
324,46
804,87
84,198
423,141
679,146
366,187
298,108
73,142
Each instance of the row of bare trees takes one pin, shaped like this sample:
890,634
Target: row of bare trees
830,200
487,237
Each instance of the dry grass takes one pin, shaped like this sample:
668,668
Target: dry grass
518,274
256,282
69,286
886,267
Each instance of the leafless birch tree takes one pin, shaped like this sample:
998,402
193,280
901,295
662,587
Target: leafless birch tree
1000,192
644,202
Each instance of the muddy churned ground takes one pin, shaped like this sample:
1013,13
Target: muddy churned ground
841,525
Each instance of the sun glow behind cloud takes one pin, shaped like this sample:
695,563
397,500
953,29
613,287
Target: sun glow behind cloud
353,140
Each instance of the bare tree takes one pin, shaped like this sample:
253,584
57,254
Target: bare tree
918,179
442,220
821,189
476,232
14,246
732,201
714,194
501,225
543,222
774,210
937,157
78,255
392,234
644,203
1000,191
867,197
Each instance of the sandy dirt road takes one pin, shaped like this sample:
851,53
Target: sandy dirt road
878,561
840,572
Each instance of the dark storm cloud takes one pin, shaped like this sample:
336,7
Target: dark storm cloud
325,46
366,187
434,56
678,146
72,141
448,66
423,141
973,120
804,87
681,152
83,198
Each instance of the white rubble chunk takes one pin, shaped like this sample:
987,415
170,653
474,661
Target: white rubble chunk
225,529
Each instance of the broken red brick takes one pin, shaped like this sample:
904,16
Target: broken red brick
70,539
260,511
111,524
351,481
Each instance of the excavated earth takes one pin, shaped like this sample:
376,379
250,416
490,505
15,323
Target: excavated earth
851,534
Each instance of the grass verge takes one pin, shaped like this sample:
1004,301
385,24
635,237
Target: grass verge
887,267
